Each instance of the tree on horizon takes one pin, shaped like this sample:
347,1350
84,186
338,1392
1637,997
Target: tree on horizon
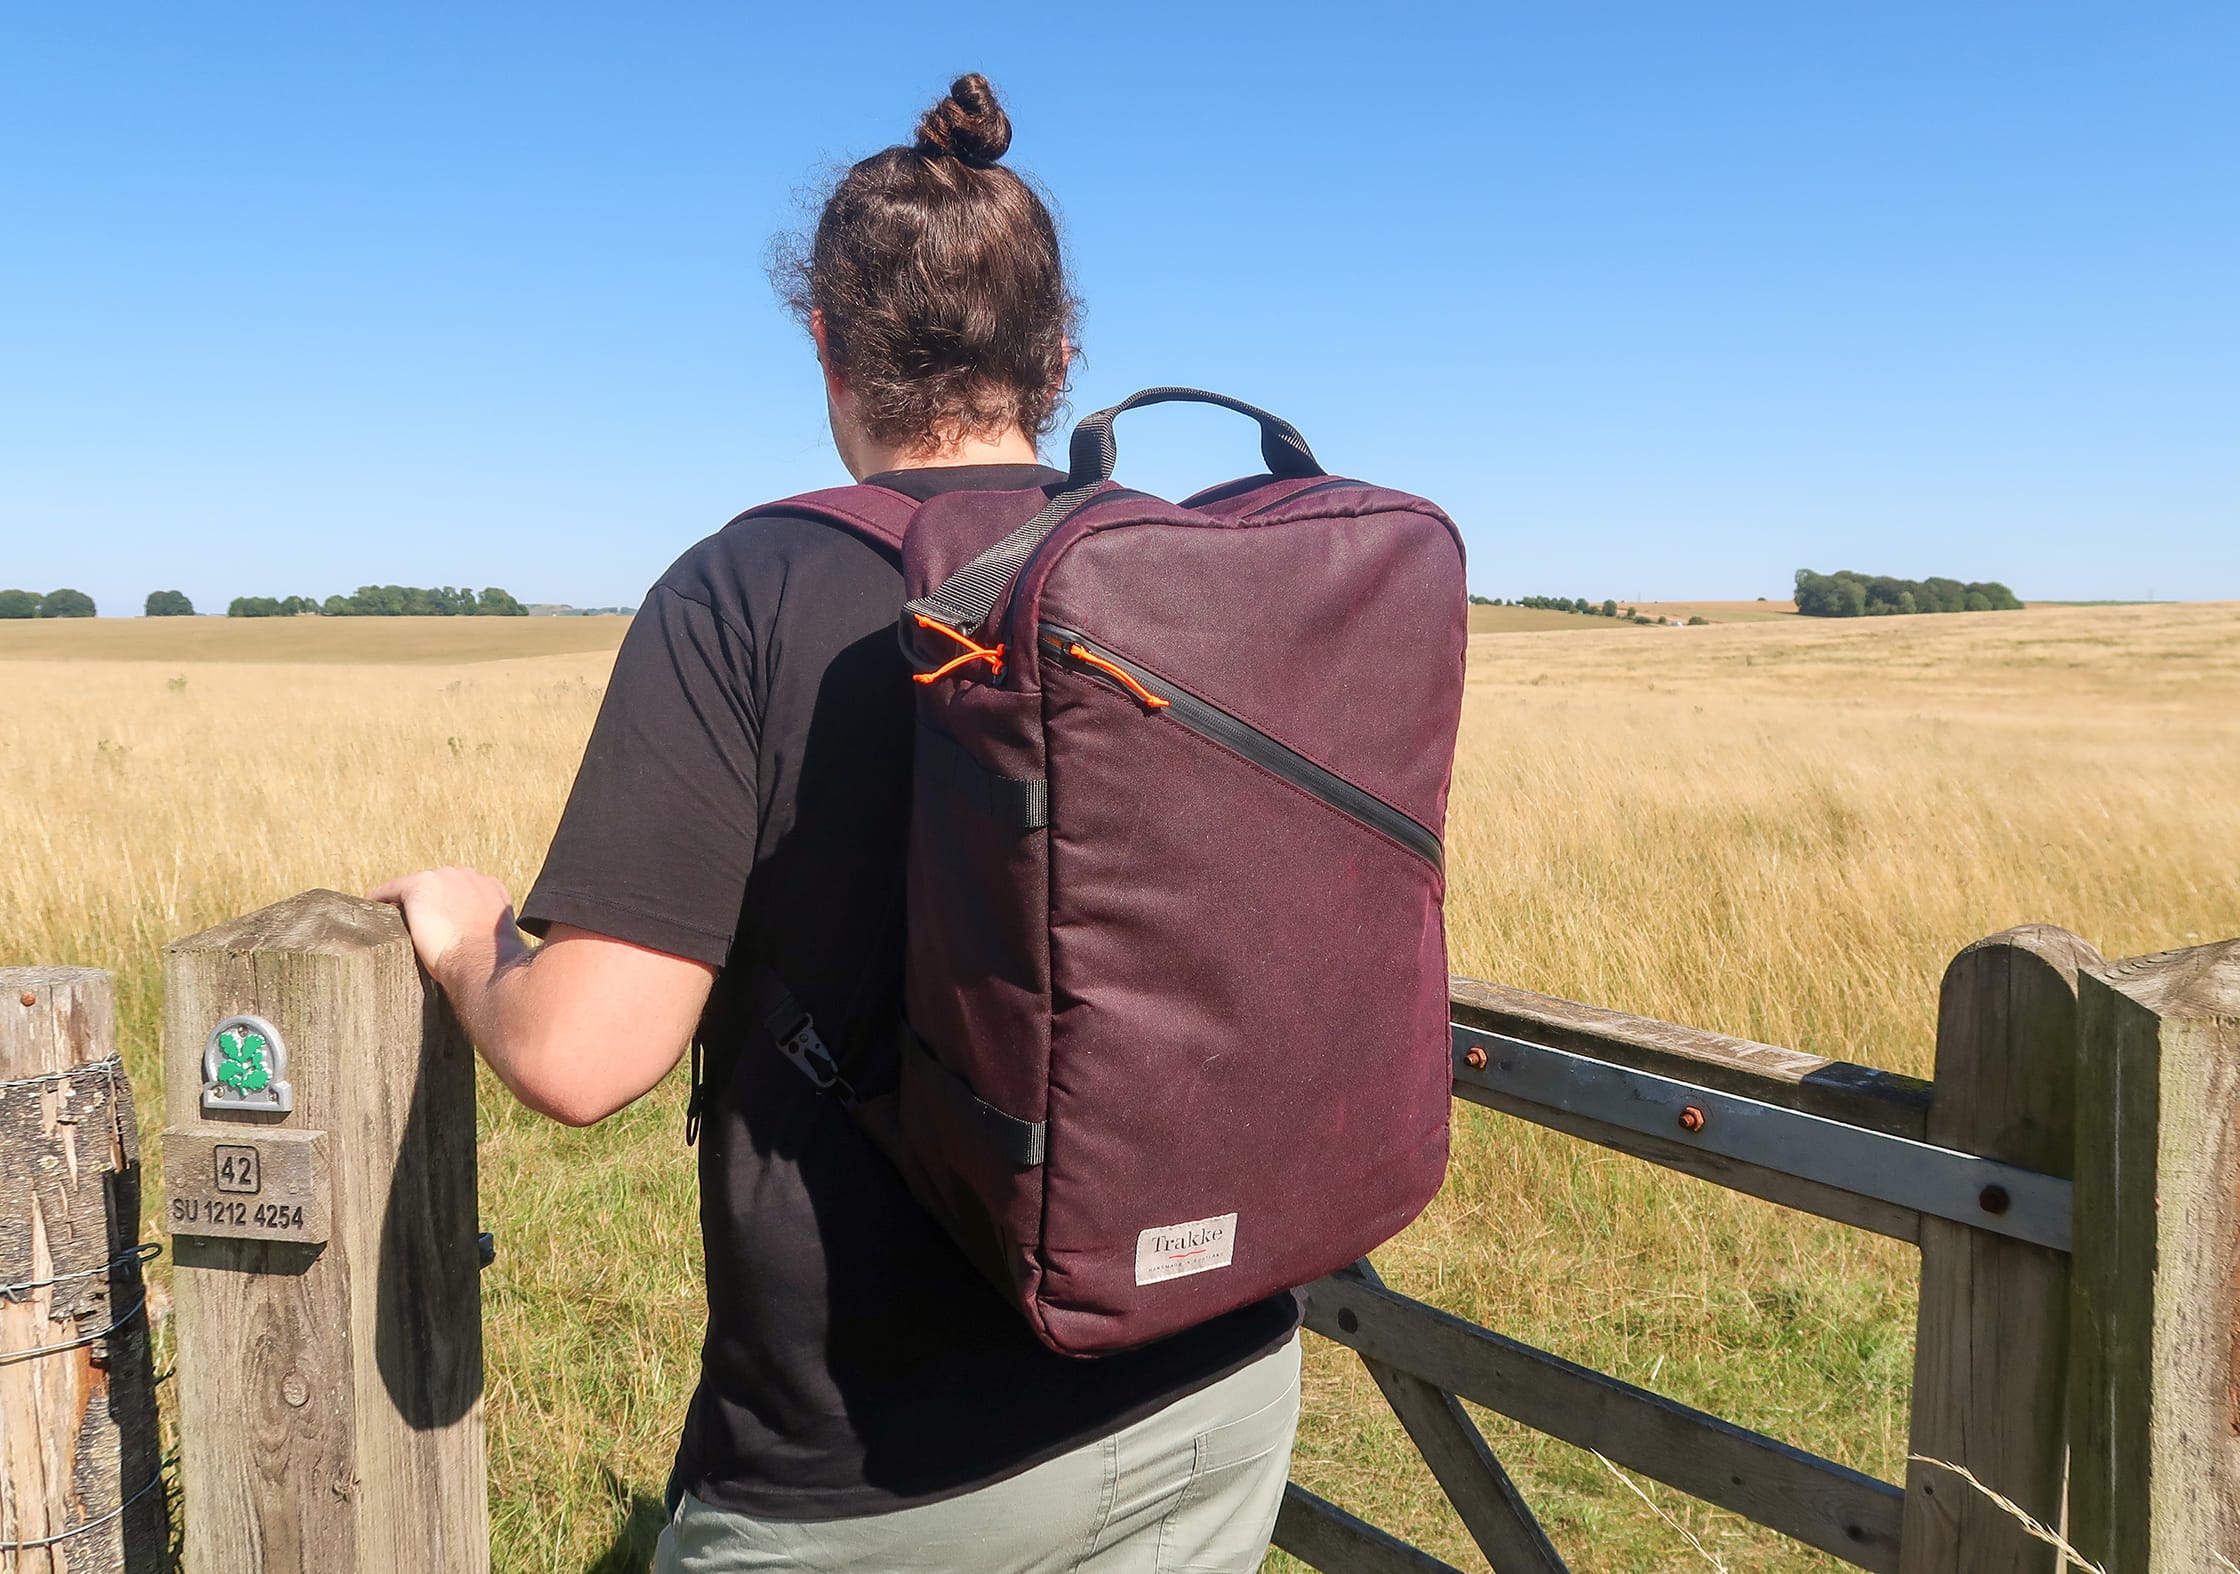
66,603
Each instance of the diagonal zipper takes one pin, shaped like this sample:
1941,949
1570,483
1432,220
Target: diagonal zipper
1243,739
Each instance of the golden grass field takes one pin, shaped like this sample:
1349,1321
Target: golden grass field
1781,829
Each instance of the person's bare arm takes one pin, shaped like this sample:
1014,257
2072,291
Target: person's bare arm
577,1027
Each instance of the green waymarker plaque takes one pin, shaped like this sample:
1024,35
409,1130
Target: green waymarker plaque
245,1069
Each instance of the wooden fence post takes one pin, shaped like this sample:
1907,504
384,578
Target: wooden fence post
2154,1429
1991,1351
320,1171
81,1488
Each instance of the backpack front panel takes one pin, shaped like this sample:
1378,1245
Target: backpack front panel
1249,1077
1215,980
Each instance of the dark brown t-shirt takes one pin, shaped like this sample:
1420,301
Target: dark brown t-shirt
744,797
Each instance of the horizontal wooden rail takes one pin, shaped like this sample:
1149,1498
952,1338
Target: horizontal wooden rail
1817,1501
1324,1536
1855,1095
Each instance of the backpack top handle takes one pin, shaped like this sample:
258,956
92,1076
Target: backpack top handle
1093,452
963,600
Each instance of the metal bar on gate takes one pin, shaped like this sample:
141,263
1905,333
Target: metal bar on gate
2002,1198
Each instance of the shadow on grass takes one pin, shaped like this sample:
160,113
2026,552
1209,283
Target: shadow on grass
640,1517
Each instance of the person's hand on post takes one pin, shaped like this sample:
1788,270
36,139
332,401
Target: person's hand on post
592,1026
461,920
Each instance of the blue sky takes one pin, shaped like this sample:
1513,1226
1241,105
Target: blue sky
1657,300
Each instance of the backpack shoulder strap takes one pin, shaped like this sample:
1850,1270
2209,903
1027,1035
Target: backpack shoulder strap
870,513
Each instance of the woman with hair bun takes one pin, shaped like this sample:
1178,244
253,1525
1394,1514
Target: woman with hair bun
865,1401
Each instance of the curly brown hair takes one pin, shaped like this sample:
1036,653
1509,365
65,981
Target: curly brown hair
939,278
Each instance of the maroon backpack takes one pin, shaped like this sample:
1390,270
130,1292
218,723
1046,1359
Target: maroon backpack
1177,985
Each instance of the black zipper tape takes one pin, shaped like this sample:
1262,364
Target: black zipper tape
1248,742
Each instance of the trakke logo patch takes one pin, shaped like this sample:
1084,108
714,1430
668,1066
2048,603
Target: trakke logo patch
1171,1251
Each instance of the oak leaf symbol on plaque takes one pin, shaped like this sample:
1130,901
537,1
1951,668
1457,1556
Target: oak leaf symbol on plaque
244,1060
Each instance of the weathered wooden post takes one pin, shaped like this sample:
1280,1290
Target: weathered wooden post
2154,1384
320,1166
1991,1348
81,1487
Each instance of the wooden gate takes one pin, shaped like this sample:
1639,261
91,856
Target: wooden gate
2072,1179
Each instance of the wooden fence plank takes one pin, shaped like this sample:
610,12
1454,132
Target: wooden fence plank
1817,1501
1857,1095
1324,1536
1991,1350
331,1393
2154,1376
78,1451
1488,1502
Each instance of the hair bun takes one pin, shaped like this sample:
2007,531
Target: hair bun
968,125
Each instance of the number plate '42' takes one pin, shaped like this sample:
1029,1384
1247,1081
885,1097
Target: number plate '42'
248,1185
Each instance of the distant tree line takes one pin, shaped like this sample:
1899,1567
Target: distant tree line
371,601
1605,608
385,601
1579,604
1592,609
54,604
1845,594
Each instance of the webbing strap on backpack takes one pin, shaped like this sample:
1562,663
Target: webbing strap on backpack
966,597
779,1016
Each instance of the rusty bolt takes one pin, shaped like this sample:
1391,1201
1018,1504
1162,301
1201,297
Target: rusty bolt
1994,1199
1691,1119
28,998
1476,1057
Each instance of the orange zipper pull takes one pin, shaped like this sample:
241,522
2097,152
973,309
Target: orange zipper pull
991,654
1151,700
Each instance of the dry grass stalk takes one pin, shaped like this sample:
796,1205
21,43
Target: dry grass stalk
2018,1514
1658,1509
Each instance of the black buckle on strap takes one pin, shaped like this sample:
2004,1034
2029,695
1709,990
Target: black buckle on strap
801,1044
